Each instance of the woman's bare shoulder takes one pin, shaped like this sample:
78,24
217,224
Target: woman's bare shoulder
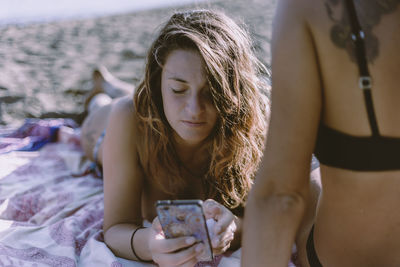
295,15
123,110
124,107
123,123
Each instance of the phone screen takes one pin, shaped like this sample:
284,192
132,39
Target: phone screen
184,218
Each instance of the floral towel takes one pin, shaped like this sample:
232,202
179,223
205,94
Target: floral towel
48,216
32,135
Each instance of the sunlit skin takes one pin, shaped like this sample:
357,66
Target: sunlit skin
187,101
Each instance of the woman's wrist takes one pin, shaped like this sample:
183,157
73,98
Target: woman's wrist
236,243
140,244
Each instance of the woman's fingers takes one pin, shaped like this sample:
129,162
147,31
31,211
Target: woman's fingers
185,257
222,242
225,227
226,222
219,213
211,208
190,254
222,230
156,226
221,250
192,262
174,244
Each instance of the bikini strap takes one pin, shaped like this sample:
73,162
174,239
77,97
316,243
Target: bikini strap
312,256
365,81
97,145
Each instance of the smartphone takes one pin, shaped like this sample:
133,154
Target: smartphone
185,218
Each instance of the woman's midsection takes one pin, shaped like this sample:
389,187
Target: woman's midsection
358,222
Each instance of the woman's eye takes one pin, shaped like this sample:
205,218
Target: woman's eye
178,91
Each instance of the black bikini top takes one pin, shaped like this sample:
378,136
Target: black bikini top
369,153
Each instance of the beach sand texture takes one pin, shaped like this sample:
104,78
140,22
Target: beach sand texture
45,69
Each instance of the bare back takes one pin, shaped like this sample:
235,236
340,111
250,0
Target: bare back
357,222
343,102
315,81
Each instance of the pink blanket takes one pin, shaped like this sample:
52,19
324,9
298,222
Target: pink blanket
49,216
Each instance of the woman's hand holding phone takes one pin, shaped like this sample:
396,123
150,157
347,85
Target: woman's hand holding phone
224,228
180,251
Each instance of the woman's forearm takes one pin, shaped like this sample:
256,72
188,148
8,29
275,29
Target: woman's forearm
118,239
270,226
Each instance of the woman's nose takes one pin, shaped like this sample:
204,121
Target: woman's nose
195,104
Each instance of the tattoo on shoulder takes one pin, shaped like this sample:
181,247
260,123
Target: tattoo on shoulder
369,14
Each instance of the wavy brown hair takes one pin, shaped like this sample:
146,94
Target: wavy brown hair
236,144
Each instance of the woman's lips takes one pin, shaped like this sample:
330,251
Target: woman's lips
194,123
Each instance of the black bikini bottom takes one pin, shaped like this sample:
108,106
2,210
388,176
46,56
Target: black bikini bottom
311,253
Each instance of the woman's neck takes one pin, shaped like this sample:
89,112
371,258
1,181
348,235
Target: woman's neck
194,157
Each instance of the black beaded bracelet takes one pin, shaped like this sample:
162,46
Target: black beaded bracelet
132,247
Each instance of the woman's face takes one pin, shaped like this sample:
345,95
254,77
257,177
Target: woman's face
186,96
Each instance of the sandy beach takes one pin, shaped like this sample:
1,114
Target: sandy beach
45,68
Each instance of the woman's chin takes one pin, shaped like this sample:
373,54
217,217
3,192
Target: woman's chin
192,140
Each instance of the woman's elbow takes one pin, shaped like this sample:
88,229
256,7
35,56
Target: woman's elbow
107,236
288,202
279,202
110,236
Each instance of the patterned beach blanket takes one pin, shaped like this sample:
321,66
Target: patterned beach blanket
51,212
